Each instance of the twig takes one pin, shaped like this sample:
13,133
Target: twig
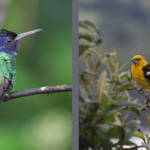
147,102
41,90
141,92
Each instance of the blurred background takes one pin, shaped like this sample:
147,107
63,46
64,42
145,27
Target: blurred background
45,59
125,25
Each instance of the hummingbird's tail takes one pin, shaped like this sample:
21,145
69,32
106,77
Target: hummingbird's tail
5,87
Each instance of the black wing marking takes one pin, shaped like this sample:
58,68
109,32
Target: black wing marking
5,87
146,71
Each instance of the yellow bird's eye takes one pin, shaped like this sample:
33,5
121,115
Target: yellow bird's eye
139,58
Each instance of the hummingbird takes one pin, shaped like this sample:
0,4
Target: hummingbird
9,48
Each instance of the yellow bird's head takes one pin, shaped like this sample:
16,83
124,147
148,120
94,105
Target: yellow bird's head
139,60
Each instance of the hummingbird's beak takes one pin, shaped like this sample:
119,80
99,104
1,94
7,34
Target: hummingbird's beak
19,36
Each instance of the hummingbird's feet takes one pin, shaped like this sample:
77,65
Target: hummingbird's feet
140,90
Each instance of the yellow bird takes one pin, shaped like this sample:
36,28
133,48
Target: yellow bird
141,71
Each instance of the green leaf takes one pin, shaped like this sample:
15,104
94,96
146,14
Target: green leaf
98,64
124,87
103,126
134,109
86,37
122,74
140,135
89,61
101,86
131,76
93,29
82,48
126,142
112,132
128,104
120,106
84,86
127,75
107,95
119,69
106,142
143,108
87,72
115,81
81,98
121,96
112,62
116,132
84,132
116,55
148,119
131,127
121,133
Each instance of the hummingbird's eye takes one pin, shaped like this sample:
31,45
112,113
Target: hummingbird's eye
8,40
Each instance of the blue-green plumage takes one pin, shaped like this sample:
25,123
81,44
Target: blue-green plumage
9,47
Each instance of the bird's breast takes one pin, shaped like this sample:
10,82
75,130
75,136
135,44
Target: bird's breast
139,77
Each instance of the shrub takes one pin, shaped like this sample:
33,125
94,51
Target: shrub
100,117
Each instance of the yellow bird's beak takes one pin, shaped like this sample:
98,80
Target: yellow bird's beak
134,60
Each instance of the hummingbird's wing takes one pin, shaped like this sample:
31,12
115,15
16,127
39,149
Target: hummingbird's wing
6,77
5,86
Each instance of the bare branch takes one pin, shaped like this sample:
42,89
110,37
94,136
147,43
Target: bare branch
140,91
147,96
41,90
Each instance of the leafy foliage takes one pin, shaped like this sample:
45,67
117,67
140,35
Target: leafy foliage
100,117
